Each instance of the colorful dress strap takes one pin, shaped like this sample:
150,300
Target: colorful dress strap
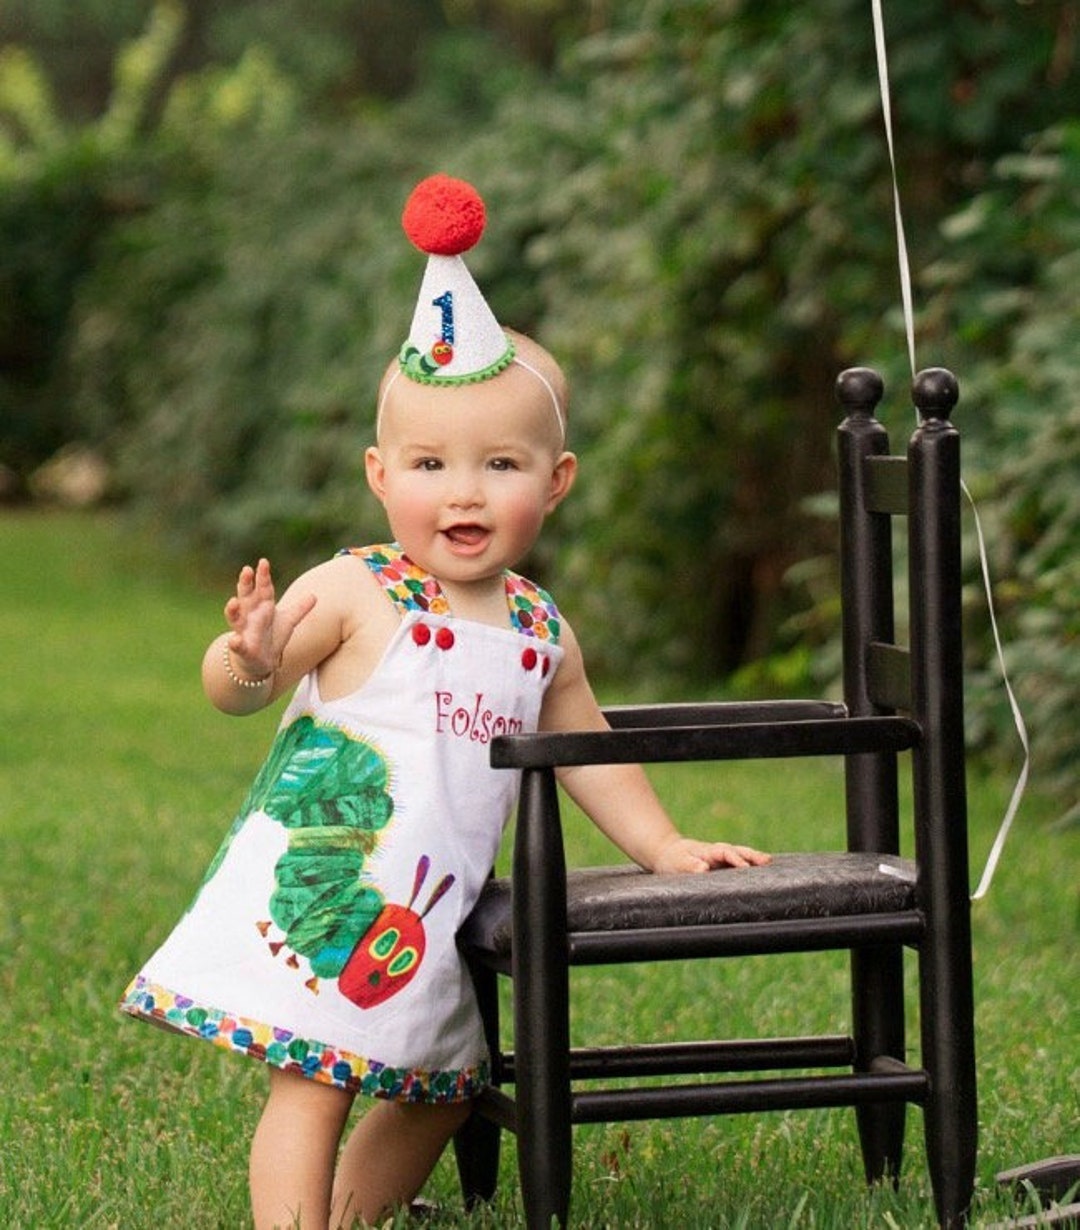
532,610
409,587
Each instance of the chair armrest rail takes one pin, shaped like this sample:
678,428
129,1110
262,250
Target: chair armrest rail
652,745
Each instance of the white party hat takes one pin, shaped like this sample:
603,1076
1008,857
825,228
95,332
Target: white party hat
454,337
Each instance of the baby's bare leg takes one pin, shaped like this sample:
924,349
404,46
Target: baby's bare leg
389,1155
293,1152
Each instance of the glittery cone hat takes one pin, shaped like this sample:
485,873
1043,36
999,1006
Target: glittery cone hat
454,337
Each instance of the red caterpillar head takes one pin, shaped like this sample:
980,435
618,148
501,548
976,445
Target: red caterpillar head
388,955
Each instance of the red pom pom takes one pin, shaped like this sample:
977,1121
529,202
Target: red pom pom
444,216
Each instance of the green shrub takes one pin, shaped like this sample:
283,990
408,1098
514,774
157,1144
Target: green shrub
690,203
229,343
1021,304
63,187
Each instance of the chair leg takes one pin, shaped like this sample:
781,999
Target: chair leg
881,1137
951,1132
544,1141
476,1143
948,1048
950,1148
541,1007
476,1149
878,1015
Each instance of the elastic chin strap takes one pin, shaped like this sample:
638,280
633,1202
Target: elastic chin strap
551,393
382,401
556,408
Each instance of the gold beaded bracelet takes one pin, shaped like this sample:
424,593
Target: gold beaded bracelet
235,678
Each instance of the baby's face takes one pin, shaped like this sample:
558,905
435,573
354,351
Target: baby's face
467,474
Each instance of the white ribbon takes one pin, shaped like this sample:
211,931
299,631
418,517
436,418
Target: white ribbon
909,327
901,241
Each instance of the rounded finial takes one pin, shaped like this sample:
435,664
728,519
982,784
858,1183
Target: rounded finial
444,216
859,389
935,391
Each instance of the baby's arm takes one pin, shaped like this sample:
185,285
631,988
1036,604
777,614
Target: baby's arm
263,654
619,799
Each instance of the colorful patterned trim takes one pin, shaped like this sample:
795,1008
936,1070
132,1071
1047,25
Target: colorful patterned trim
532,610
282,1049
425,370
410,587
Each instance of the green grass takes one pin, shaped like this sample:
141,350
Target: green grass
116,783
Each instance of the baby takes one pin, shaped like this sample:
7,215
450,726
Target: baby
322,940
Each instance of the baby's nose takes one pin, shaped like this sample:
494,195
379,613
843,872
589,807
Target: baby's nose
466,491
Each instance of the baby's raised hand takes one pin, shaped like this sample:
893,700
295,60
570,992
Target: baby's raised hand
261,627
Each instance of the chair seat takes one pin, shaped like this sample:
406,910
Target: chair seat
792,886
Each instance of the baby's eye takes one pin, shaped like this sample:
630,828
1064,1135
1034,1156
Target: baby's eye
428,463
503,463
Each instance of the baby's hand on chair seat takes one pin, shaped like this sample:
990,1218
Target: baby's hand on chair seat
687,854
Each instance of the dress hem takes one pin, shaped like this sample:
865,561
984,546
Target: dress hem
284,1049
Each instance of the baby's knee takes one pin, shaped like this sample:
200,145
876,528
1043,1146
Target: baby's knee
450,1115
295,1094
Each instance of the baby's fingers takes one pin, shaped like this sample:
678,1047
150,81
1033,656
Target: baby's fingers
725,854
254,587
689,855
263,582
245,582
255,584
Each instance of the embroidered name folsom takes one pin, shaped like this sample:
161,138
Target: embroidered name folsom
474,720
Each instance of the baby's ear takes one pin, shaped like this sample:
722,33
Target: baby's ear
562,479
376,472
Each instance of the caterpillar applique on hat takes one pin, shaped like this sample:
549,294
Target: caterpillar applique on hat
454,337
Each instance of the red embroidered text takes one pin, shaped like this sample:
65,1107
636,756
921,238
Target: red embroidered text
473,720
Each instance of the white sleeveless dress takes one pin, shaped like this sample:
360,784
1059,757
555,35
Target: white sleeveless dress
322,939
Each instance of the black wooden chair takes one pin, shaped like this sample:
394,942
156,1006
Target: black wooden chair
864,898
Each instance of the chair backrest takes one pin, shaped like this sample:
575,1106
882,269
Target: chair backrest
924,680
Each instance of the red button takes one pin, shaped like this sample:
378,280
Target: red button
528,658
444,638
421,634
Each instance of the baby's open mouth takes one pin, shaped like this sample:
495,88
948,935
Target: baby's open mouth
466,535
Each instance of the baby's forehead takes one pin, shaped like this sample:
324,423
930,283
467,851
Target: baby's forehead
498,409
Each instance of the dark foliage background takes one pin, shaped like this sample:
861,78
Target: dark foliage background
202,275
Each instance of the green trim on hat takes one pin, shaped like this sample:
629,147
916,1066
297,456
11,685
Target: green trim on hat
421,368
